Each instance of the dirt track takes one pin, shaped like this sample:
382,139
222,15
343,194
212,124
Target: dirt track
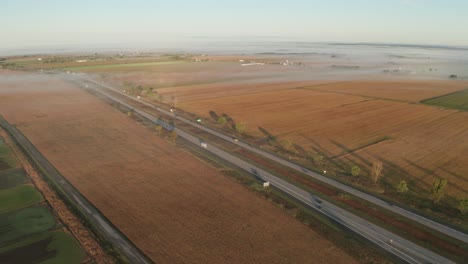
181,214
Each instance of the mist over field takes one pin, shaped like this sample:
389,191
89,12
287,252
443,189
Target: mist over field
266,132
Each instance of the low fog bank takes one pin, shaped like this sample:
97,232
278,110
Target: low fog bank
15,82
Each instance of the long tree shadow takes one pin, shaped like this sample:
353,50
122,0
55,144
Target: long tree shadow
301,151
390,167
269,138
214,116
458,176
349,151
428,173
230,122
317,148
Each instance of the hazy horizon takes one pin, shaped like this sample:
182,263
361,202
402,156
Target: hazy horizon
86,24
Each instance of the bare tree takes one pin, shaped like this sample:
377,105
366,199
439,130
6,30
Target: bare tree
174,101
376,171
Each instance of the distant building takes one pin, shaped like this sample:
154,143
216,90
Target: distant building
81,61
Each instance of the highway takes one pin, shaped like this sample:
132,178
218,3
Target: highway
112,234
393,208
400,247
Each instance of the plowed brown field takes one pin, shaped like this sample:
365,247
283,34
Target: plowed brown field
419,143
176,208
408,91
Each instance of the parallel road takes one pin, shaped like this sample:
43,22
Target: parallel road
133,254
408,214
390,242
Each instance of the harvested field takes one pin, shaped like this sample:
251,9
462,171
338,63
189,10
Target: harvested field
408,91
419,143
37,218
228,74
173,206
219,90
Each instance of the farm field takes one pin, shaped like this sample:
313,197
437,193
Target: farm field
417,143
349,115
12,177
53,247
25,222
125,66
407,91
7,161
173,206
28,229
457,100
18,197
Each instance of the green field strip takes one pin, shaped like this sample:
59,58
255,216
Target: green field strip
12,177
54,247
19,197
457,100
8,162
4,151
25,222
122,65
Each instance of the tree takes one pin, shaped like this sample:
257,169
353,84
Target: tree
438,190
158,129
240,127
222,120
318,160
173,136
376,171
355,171
286,144
463,206
402,187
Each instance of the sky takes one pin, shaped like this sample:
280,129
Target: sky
29,23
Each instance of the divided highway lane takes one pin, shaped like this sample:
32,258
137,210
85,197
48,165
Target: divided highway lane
133,254
392,243
408,214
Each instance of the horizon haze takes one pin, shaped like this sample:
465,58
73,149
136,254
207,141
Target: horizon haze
86,24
